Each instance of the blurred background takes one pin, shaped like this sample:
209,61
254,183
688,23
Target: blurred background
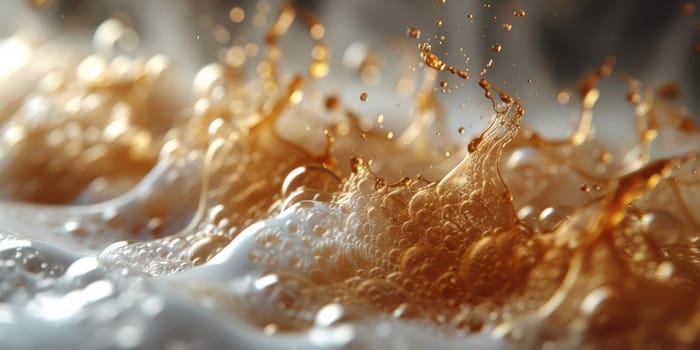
546,46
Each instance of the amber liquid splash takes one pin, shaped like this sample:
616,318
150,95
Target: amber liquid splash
535,241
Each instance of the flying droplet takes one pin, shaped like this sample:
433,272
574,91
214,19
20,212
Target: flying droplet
413,33
237,15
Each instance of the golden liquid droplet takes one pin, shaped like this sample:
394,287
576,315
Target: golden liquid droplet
317,31
633,97
563,97
508,27
413,33
319,69
320,52
431,59
496,47
519,13
237,14
443,84
332,103
364,96
464,74
461,130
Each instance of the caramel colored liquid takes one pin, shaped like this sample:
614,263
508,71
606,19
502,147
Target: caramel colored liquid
532,240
